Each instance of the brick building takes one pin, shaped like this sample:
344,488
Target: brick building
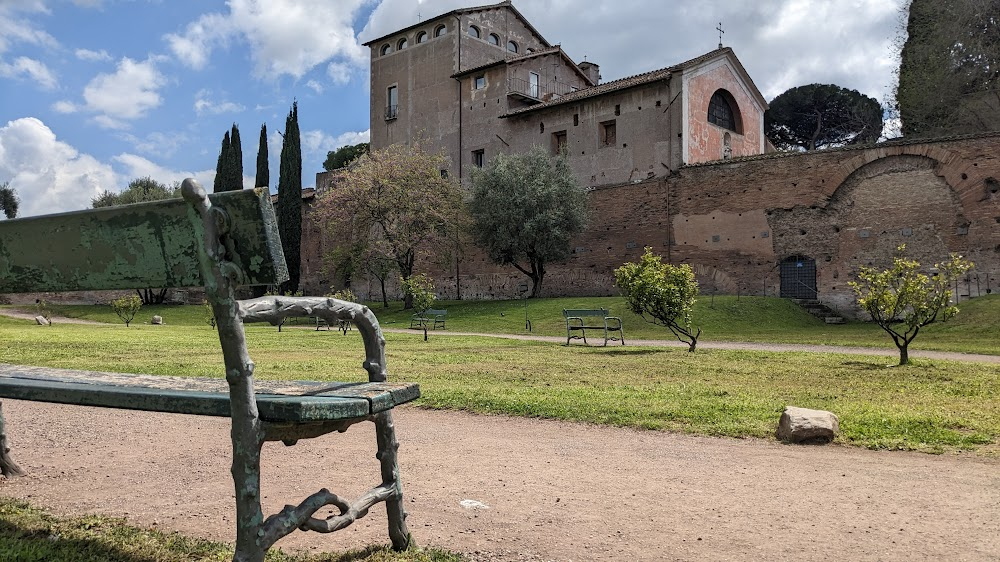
675,159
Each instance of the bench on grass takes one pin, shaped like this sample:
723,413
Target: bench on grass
342,325
219,242
432,317
581,320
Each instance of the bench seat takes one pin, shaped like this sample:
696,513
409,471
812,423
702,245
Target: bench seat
277,401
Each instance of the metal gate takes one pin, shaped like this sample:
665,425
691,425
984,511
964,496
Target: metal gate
798,278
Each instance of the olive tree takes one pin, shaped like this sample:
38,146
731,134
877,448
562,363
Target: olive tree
902,300
526,208
662,294
9,200
127,307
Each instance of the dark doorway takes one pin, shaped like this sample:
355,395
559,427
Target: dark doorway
798,278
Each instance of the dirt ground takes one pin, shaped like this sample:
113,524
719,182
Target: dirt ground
541,490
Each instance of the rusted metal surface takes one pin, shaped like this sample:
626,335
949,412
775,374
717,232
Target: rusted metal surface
135,246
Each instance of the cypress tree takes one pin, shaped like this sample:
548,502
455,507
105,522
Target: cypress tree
223,165
236,157
263,174
290,198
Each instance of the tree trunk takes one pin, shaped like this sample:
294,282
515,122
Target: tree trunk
904,355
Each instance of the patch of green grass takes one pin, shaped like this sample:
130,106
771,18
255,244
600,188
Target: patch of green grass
28,534
928,406
722,318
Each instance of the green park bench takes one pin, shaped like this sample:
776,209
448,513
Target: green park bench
219,241
581,320
432,317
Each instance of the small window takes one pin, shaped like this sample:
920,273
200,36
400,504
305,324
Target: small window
722,113
479,82
478,158
576,119
421,37
512,46
609,133
401,44
494,39
444,173
440,30
391,102
474,32
559,142
385,50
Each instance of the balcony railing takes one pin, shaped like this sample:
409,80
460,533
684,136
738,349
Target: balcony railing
539,92
391,112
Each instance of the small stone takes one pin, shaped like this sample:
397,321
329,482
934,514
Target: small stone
42,321
157,320
813,427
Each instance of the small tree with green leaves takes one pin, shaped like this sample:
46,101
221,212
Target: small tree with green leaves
662,294
420,289
902,300
9,200
42,309
127,307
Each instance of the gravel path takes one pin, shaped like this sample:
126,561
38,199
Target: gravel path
545,490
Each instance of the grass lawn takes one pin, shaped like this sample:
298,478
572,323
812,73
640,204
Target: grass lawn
931,406
28,534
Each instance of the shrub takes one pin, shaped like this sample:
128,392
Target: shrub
661,293
421,288
127,307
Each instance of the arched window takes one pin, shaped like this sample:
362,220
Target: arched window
385,50
440,30
724,112
421,37
494,39
474,32
512,46
401,45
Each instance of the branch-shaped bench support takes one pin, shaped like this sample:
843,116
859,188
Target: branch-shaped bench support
254,535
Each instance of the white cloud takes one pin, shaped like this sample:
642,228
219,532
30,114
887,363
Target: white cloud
163,145
94,56
139,167
339,72
204,105
33,69
319,143
49,175
65,106
129,93
315,86
15,30
290,37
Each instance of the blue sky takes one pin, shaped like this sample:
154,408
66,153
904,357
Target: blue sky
94,93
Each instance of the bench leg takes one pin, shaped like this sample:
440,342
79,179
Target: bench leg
385,435
8,467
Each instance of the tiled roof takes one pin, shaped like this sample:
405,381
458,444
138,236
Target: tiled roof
555,49
622,83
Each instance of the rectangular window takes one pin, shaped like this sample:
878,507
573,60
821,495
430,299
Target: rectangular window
608,134
444,173
559,142
533,84
480,82
392,102
479,158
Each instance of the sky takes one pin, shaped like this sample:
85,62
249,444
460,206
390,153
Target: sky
96,93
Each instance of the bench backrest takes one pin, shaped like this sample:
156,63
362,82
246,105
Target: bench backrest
153,244
568,313
435,312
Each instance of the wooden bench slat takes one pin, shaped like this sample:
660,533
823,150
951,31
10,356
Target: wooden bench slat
284,401
135,246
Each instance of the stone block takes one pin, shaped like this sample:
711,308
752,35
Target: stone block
813,427
157,320
42,321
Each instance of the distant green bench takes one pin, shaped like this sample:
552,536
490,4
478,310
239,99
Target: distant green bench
219,242
581,320
432,317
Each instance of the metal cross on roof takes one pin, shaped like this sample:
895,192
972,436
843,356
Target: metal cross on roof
719,29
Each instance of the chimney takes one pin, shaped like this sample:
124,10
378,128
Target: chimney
592,71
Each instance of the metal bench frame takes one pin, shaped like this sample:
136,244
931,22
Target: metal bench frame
576,321
433,316
220,243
